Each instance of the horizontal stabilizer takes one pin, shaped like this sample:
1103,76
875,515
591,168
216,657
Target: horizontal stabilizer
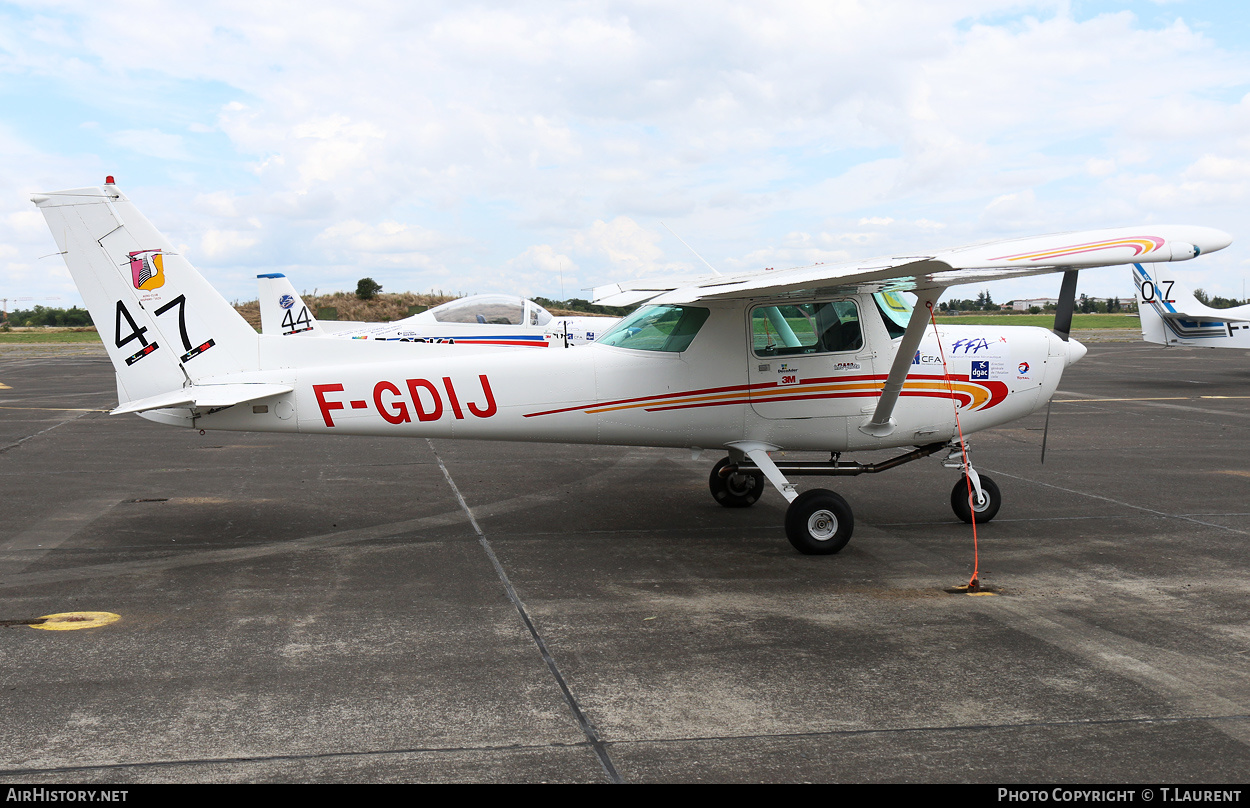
1221,315
205,395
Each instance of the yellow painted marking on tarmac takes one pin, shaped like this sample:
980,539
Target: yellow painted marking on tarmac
964,589
1234,472
72,621
4,386
1091,400
1151,398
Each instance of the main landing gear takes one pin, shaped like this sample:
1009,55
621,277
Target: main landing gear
819,522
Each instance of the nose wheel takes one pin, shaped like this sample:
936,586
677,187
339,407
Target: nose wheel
985,509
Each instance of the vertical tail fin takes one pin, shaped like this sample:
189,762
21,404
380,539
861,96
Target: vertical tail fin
282,311
163,325
1171,315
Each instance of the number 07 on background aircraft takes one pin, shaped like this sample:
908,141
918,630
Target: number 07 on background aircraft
829,358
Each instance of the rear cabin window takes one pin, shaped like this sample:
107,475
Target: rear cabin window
806,328
658,328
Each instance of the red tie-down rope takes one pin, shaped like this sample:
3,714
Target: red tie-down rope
973,583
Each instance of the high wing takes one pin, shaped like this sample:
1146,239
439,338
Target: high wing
929,275
981,263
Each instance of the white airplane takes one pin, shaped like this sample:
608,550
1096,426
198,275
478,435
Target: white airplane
826,358
494,321
1171,315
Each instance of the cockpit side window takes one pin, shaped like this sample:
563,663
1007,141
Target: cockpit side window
806,328
658,328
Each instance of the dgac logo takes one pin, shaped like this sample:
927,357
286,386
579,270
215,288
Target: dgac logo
980,370
970,346
392,405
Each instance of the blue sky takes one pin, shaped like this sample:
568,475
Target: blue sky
475,147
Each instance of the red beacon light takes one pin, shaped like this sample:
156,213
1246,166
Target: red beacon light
109,180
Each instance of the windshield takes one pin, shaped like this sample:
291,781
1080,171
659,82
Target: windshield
895,311
658,328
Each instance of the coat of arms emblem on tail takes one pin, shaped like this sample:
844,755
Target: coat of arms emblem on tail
147,269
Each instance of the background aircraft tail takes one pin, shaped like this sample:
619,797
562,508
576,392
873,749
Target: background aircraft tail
1171,315
282,311
163,325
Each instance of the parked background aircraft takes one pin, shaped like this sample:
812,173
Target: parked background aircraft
496,321
1171,315
821,358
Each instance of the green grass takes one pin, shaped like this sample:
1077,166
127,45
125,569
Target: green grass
1045,320
46,337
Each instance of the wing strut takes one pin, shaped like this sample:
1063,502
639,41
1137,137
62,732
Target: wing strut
881,423
1067,303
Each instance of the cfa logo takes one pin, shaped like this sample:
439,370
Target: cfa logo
926,359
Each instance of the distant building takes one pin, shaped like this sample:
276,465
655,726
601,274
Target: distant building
1040,302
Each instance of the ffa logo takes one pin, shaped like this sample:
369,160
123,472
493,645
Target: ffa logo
147,269
970,346
286,301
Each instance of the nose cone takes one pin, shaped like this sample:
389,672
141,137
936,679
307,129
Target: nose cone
1075,351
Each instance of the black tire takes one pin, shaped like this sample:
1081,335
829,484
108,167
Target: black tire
737,490
985,512
819,522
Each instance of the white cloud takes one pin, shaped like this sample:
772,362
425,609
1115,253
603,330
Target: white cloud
216,244
461,140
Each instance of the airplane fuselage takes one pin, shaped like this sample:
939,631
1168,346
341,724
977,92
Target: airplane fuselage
724,387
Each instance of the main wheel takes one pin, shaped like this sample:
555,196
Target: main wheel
986,510
819,522
739,489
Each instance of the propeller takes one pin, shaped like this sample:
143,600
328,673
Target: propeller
1045,432
1063,330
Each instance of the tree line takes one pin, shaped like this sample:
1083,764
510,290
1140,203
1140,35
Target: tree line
43,315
